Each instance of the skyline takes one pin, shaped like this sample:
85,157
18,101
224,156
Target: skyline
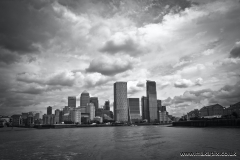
52,50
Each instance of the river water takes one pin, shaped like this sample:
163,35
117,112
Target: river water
117,143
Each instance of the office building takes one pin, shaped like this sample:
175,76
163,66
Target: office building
107,105
72,101
134,109
77,115
94,100
57,116
66,110
152,101
57,112
60,116
36,116
90,109
163,117
49,110
120,102
84,99
145,109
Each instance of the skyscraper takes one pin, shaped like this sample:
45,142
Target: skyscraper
94,100
107,105
37,116
72,101
57,112
49,110
120,102
152,101
145,109
134,111
84,99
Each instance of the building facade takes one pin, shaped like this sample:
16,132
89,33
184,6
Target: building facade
49,110
107,105
77,115
233,109
145,109
91,110
163,117
17,120
152,101
134,109
120,102
72,101
37,116
212,110
84,99
94,100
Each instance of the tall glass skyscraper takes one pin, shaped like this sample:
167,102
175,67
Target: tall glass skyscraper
49,110
107,105
145,109
152,101
134,111
120,102
84,99
72,101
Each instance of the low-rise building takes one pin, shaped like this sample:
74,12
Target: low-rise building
163,117
17,120
212,110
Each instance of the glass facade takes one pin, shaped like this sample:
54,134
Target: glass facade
107,105
72,101
49,110
134,111
94,100
84,99
152,101
145,109
120,102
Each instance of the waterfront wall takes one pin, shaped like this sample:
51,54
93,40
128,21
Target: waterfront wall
208,123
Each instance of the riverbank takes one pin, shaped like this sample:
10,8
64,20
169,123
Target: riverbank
88,125
208,123
6,129
55,126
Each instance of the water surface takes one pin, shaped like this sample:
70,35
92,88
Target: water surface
117,143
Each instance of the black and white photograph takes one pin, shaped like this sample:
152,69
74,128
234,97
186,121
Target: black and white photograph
119,79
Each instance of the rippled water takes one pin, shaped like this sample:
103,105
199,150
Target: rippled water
116,143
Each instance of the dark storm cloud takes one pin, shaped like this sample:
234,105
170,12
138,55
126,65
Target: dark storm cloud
8,57
18,100
61,79
140,12
26,24
32,90
235,52
108,68
38,89
127,46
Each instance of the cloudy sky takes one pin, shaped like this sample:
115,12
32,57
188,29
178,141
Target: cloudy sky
53,49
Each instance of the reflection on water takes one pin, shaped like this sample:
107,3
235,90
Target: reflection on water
141,142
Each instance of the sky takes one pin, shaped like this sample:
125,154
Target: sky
52,49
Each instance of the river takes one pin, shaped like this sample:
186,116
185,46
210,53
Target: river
117,143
